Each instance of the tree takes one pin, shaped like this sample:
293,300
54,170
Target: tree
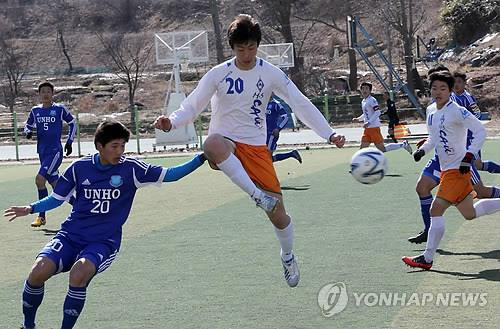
406,17
59,10
329,13
277,15
14,63
214,10
129,56
468,20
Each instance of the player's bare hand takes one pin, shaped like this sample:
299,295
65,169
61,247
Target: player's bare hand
338,140
14,212
163,123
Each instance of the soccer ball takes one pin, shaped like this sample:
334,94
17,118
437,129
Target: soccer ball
368,165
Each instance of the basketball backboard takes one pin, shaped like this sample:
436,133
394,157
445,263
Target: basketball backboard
279,54
181,47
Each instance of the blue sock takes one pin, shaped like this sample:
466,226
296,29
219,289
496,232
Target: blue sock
73,306
425,208
282,156
32,298
42,194
491,167
495,192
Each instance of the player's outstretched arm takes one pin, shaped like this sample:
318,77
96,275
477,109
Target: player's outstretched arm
15,211
175,173
45,204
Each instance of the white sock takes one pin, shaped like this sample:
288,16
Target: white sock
285,236
486,207
233,169
436,232
393,146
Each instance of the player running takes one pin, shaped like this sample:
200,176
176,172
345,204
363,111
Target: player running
447,123
239,90
105,184
430,178
47,119
276,120
371,123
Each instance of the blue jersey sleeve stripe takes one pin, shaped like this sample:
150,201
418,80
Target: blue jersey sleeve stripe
138,184
284,120
141,164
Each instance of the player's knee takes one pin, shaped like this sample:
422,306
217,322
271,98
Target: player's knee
423,188
40,181
41,271
81,273
78,278
214,146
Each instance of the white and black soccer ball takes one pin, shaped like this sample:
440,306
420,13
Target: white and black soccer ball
368,165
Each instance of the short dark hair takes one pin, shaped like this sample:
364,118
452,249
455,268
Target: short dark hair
444,76
460,75
46,84
109,130
366,83
437,68
243,29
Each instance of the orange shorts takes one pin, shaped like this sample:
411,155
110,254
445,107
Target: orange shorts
372,135
454,186
258,163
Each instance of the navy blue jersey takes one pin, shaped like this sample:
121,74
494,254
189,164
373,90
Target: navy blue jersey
276,116
103,196
48,124
469,102
466,100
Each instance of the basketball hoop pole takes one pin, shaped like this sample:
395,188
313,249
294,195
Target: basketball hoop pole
177,74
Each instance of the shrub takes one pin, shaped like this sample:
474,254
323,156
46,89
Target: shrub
467,20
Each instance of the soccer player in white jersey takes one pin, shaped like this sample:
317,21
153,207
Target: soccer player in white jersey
371,123
431,173
447,123
104,185
239,90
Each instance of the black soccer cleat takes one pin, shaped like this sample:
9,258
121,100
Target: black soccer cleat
419,238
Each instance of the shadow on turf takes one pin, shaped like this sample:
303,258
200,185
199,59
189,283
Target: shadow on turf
46,231
296,188
393,175
493,254
489,275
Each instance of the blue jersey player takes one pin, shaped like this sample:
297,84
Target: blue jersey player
463,98
430,178
47,119
276,120
104,185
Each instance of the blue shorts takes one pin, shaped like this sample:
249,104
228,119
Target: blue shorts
64,253
272,142
433,170
49,165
